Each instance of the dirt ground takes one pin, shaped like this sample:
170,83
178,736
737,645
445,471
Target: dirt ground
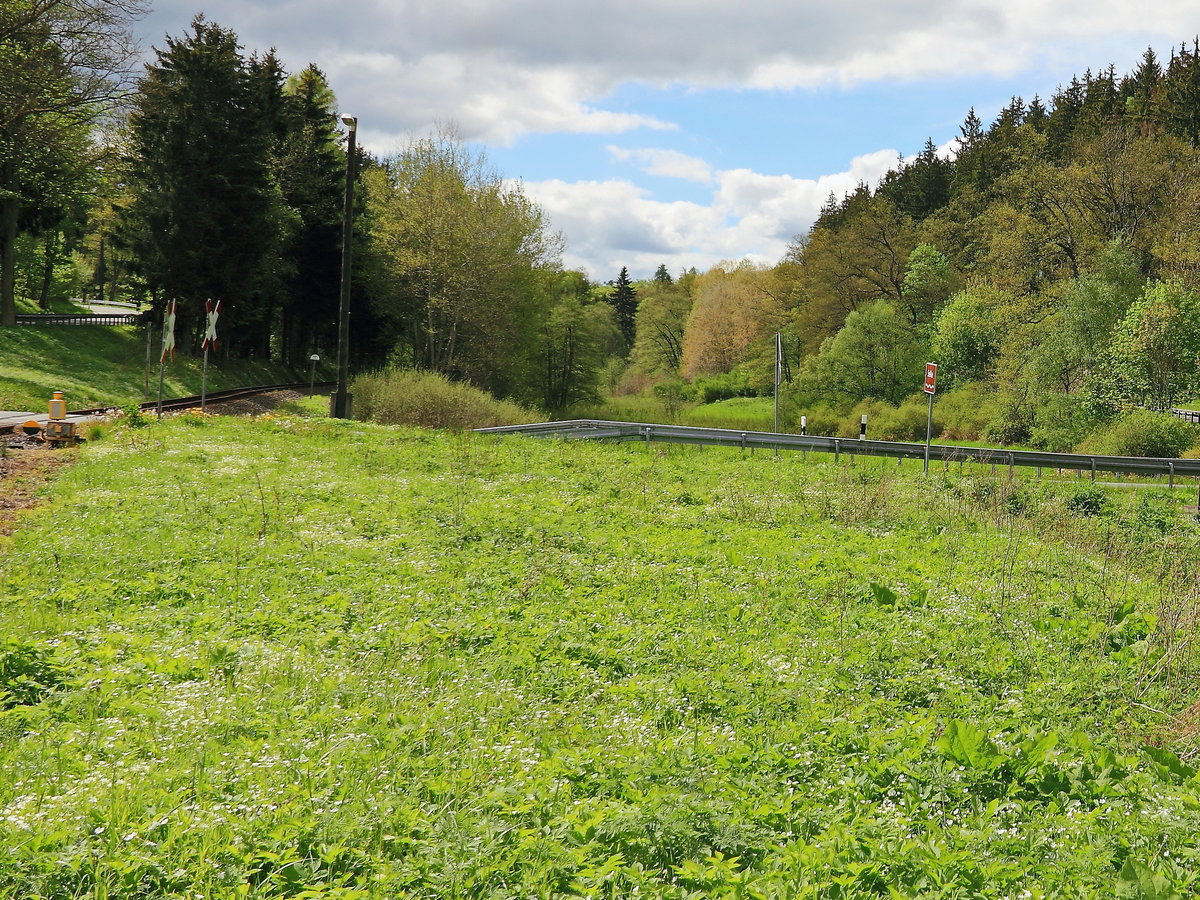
26,464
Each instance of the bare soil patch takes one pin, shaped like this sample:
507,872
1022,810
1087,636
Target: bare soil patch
25,467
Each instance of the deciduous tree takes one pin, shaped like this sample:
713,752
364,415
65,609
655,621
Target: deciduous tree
63,64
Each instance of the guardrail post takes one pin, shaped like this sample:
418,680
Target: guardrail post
743,442
1093,469
837,451
647,437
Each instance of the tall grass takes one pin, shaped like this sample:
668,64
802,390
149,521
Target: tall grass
309,658
430,400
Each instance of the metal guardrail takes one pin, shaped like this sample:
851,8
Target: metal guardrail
595,429
82,319
1188,415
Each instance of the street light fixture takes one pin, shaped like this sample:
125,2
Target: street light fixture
341,400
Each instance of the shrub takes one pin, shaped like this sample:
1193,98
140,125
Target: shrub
711,388
1143,433
885,422
1061,423
822,420
964,413
1087,500
430,400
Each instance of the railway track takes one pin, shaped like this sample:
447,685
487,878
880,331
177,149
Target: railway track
176,404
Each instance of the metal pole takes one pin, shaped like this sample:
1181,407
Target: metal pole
928,433
149,337
778,374
161,365
340,406
204,379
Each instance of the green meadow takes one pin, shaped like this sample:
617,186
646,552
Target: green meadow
299,658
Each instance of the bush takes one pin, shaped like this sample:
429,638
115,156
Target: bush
1143,433
1061,423
964,413
822,420
885,422
711,388
430,400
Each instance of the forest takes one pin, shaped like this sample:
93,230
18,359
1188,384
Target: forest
1049,262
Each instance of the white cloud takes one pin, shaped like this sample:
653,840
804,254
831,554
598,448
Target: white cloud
504,70
666,163
750,215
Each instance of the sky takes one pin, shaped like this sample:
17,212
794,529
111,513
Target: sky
686,132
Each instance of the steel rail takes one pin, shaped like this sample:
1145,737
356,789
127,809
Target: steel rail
180,403
595,429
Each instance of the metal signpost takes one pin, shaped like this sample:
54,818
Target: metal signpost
210,340
778,374
930,388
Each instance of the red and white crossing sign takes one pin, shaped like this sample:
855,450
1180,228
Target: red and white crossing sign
930,377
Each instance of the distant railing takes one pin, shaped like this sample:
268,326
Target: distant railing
83,319
1188,415
591,429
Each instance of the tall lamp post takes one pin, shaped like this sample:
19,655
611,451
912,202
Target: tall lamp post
339,407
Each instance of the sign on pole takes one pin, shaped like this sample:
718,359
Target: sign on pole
930,377
168,341
168,344
211,312
210,340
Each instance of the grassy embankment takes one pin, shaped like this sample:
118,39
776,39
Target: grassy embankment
104,365
292,658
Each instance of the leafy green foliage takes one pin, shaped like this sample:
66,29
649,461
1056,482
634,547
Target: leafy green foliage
28,673
326,658
1144,433
405,397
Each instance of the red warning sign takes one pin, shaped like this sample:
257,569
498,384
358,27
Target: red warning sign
930,377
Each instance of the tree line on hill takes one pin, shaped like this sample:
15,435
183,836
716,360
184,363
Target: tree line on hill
1048,263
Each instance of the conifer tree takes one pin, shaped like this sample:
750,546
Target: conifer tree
207,211
624,301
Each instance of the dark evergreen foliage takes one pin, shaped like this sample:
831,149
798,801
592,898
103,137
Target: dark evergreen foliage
624,301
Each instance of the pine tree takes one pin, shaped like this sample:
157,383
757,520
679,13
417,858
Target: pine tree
1141,93
207,211
624,301
1181,94
310,168
661,275
1064,119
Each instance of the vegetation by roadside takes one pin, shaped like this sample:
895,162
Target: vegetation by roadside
304,657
